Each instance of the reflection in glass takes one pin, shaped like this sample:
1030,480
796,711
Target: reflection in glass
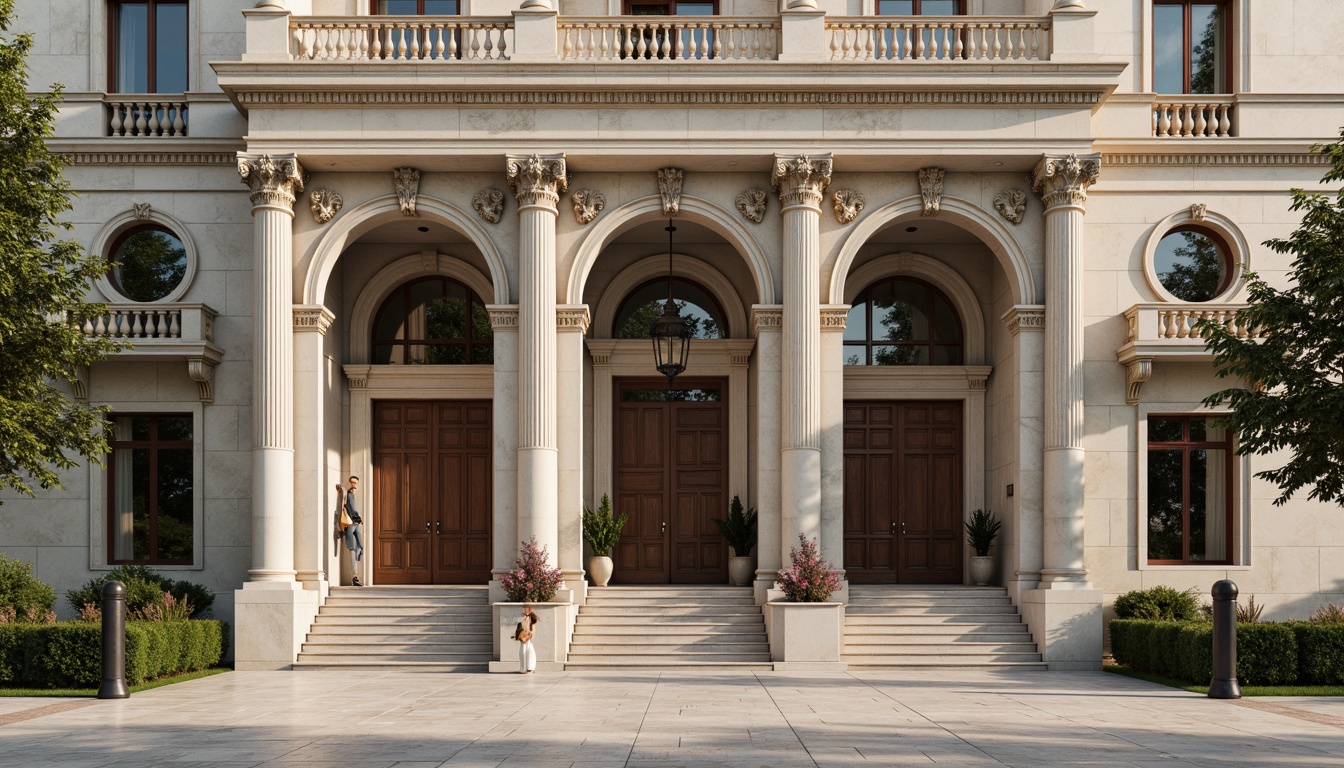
150,481
1208,70
904,322
148,264
642,308
433,321
1166,540
670,396
132,48
1169,49
170,48
1200,66
1189,486
1190,265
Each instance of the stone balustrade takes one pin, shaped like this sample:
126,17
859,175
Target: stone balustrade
400,38
668,39
1170,322
145,115
1199,117
140,323
933,38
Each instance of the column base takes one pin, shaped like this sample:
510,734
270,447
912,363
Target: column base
577,586
1067,626
270,621
765,581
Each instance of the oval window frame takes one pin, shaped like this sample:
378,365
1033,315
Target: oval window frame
123,224
1213,225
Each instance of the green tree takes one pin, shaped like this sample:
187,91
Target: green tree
1196,272
42,281
1293,398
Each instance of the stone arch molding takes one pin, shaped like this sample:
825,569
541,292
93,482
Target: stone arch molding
650,208
943,277
376,291
130,218
1240,256
689,267
352,223
989,228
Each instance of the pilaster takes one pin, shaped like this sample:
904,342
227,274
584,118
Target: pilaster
767,322
504,324
1022,541
833,318
572,325
312,504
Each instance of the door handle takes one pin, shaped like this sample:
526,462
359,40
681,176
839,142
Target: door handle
664,528
902,527
438,526
426,526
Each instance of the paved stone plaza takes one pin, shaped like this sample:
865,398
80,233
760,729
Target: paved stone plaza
669,720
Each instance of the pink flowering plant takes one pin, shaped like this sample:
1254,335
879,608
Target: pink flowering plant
809,579
532,580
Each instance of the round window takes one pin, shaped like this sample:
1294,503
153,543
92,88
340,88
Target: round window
1192,264
149,263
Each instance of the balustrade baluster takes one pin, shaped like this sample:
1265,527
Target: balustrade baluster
996,50
641,45
958,43
174,325
137,324
115,125
1224,120
1200,122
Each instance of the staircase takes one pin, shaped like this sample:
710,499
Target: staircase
932,626
432,629
669,627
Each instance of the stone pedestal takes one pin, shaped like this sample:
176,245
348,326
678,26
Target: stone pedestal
1067,626
270,621
806,637
555,627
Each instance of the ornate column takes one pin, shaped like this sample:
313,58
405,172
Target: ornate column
1065,611
833,319
767,321
504,492
537,183
272,610
314,497
572,324
801,182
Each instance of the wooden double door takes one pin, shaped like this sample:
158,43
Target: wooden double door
432,479
903,492
671,478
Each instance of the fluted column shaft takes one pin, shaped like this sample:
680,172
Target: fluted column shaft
801,182
274,182
1062,183
537,183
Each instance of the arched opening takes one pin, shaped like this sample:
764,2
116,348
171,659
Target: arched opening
432,321
642,307
902,321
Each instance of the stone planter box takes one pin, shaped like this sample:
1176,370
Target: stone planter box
555,626
806,636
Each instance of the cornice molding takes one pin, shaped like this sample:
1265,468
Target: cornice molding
152,158
337,98
1225,158
1024,317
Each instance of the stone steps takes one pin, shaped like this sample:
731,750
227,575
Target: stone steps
669,628
431,629
936,627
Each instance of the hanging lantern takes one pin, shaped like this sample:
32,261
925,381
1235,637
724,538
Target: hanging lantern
671,335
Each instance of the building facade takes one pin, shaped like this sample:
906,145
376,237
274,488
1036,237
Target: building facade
938,256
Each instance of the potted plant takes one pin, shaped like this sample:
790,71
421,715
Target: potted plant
981,531
603,531
806,629
739,530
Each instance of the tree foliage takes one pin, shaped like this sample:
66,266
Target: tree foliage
1293,399
42,282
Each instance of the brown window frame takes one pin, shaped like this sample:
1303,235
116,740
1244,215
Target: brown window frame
1185,445
470,343
154,445
1229,37
721,318
152,33
627,7
915,9
868,342
419,5
1224,252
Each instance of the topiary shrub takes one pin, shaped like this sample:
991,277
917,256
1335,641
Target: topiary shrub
1320,653
1160,603
144,587
1266,654
69,654
23,592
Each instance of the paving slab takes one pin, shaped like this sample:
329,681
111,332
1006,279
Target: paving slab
670,719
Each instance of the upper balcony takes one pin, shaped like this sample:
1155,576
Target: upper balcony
164,332
1171,333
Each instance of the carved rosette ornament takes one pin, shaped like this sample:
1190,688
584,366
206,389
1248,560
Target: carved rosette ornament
801,180
1011,204
273,181
931,189
1199,211
406,181
325,204
141,211
669,188
587,204
537,180
848,205
751,204
488,204
1064,180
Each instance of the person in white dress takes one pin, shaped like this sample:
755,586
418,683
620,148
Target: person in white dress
527,655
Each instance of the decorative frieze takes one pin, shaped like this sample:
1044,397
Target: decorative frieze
1064,180
669,189
488,204
1011,205
142,211
151,158
537,179
503,317
632,97
357,376
1024,317
801,179
588,203
406,182
325,204
1199,211
751,204
312,318
834,317
766,318
848,205
273,180
572,317
1223,158
931,189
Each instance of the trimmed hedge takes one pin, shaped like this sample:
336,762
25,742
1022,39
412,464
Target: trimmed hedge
70,654
1267,653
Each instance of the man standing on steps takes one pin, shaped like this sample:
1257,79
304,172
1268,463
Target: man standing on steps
353,541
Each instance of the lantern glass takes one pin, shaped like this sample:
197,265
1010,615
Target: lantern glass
671,342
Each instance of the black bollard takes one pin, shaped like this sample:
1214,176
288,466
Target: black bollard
1224,685
114,642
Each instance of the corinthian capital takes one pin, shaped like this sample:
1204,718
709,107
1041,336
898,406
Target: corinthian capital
537,179
273,180
1064,180
801,180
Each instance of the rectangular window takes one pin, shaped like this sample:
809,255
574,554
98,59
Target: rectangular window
1191,45
150,494
1189,491
670,8
921,7
415,7
149,46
